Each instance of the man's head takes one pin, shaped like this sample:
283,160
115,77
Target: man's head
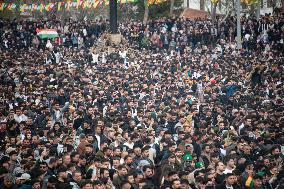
246,149
138,176
176,184
36,184
137,151
230,179
206,148
257,181
230,162
66,159
184,184
83,137
13,155
122,171
77,176
43,167
104,173
200,182
171,158
89,149
275,150
107,151
62,172
130,178
148,171
115,163
145,151
128,160
172,147
173,175
117,152
51,182
87,185
8,181
220,167
125,185
142,183
248,121
98,184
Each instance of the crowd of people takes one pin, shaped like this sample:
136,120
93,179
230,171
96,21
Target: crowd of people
175,106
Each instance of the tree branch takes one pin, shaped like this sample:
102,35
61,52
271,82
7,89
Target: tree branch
226,16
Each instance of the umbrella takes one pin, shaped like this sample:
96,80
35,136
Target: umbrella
47,33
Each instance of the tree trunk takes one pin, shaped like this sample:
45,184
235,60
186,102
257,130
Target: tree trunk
202,5
213,13
146,12
172,7
252,9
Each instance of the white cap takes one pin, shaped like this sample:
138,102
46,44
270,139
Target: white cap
25,176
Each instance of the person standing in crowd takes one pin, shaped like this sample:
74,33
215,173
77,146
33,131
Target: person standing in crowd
175,105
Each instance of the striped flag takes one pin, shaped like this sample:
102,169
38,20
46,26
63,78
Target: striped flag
12,6
49,6
47,33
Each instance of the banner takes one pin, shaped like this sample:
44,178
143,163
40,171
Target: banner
57,6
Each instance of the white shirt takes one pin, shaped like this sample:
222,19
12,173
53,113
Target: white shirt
49,45
57,57
99,140
241,127
228,171
104,59
229,187
95,58
85,32
20,118
129,145
123,54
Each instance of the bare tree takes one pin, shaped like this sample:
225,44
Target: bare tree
229,9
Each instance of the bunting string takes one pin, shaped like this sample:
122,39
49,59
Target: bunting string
57,6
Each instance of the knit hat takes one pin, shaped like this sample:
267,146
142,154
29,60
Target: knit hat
187,157
198,165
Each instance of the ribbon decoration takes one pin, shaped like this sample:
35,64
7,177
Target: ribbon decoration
63,5
214,1
249,2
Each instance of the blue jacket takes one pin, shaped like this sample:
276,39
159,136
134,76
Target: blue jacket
25,186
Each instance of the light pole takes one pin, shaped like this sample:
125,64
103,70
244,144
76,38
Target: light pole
239,45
